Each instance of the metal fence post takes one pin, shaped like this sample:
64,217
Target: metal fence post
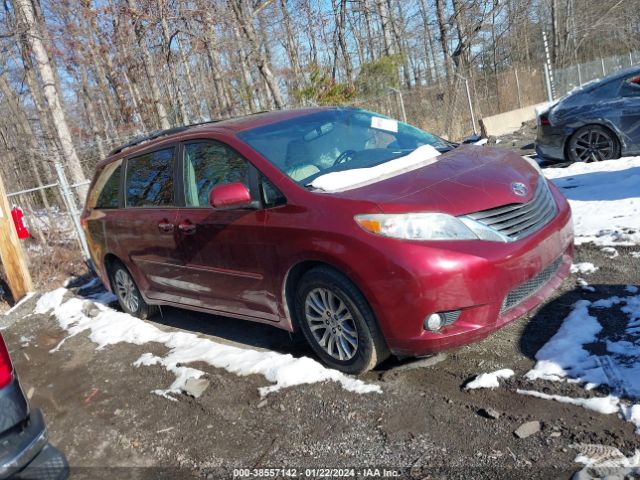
70,203
551,87
403,112
547,83
518,89
473,117
579,75
604,71
630,59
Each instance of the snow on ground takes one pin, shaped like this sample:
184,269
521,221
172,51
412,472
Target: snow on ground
357,177
569,355
583,268
489,380
109,327
603,461
606,405
605,199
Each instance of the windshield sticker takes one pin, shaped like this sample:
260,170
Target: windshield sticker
384,124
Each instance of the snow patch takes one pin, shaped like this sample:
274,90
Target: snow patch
110,327
585,285
606,405
604,461
583,268
357,177
564,356
489,380
604,198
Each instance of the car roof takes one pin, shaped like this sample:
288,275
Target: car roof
230,125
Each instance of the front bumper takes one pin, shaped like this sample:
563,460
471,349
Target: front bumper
475,278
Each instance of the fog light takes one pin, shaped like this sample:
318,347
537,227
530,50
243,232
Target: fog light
433,322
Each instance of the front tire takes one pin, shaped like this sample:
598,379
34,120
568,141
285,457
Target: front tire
128,294
593,143
337,322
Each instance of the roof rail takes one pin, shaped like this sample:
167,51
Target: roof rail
161,133
145,138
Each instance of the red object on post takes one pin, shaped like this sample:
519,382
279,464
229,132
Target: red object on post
21,228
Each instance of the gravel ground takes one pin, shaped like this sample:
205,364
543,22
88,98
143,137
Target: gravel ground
101,412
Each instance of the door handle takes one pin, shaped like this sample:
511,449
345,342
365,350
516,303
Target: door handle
165,226
187,227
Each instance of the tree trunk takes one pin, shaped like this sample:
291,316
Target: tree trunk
383,13
258,54
175,81
24,8
444,40
147,61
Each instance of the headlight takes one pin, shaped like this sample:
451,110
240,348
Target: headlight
534,164
425,226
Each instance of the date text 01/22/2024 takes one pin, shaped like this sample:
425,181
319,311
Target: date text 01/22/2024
315,473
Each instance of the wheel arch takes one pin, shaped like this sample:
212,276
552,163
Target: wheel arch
295,273
603,123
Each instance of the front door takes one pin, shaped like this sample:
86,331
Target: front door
223,250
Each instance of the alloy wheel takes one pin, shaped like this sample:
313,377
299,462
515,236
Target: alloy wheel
126,290
593,145
331,323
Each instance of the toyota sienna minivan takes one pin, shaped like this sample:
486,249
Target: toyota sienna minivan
369,235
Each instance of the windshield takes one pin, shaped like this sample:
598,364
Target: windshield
336,140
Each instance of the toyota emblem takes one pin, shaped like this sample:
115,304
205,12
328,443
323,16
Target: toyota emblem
519,189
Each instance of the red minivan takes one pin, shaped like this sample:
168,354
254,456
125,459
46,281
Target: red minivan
369,235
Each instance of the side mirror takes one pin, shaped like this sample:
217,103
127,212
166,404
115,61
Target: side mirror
230,195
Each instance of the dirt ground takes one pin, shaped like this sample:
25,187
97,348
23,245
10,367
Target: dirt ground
102,414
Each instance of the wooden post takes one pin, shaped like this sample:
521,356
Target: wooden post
11,254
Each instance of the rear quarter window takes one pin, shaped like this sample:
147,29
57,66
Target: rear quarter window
149,181
106,191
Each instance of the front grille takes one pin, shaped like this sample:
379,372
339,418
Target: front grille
517,220
531,286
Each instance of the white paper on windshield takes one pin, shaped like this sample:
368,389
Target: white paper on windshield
358,177
386,124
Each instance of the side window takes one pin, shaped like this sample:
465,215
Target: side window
150,179
271,196
631,87
207,164
106,191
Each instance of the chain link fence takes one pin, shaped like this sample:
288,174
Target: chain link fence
453,110
574,76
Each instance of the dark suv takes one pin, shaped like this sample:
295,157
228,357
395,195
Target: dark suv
24,450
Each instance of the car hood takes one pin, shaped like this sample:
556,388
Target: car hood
465,180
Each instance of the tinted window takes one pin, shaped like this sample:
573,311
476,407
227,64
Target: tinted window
207,164
150,179
271,196
110,194
106,189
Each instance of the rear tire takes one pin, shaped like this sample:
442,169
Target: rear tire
337,322
593,143
128,294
